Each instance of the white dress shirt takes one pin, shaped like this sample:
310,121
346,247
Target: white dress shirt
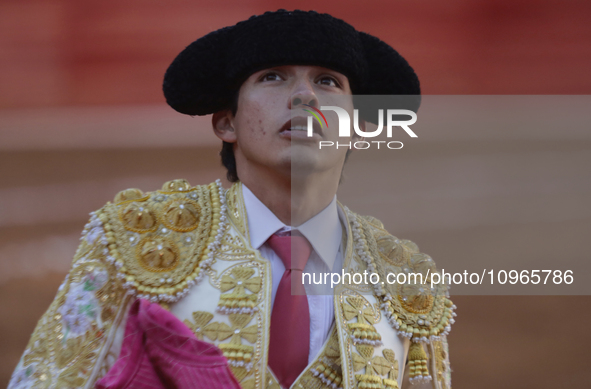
324,232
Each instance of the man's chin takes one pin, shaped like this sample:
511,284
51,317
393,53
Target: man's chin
305,160
305,165
303,155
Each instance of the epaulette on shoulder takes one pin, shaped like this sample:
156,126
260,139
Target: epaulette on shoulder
161,241
398,252
417,307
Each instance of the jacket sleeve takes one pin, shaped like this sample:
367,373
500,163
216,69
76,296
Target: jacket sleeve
70,345
438,365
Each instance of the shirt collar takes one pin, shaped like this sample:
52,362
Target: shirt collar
323,231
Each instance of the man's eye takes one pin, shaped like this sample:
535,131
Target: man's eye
328,81
271,77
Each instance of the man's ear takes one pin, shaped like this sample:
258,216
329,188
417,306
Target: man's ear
223,126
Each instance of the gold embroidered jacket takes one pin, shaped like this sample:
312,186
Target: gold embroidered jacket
188,249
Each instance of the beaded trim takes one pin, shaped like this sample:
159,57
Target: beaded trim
230,311
420,379
361,249
356,340
326,381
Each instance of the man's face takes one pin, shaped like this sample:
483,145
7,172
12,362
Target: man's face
264,134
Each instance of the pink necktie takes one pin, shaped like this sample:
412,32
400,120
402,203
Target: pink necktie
290,320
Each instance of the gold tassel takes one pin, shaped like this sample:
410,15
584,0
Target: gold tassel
368,381
418,364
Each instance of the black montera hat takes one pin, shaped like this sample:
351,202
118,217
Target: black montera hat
205,76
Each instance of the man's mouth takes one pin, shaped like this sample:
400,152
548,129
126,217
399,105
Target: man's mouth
298,127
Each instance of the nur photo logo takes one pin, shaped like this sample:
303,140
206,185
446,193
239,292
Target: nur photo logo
402,118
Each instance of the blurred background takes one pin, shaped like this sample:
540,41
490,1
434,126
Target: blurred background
82,117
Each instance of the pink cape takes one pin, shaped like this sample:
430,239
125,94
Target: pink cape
159,351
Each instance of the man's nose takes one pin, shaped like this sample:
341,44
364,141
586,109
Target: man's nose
303,94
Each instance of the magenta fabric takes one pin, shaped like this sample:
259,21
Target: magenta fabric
289,343
159,351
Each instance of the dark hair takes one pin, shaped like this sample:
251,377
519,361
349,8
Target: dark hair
227,153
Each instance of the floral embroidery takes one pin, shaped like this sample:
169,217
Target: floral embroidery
81,306
362,332
242,278
238,301
201,326
373,365
238,354
238,329
67,340
355,308
392,381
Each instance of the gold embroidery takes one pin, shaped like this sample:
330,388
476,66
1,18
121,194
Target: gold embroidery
122,242
325,372
236,210
417,363
394,251
201,325
129,195
238,329
65,345
246,382
178,185
328,373
415,298
181,215
241,296
271,381
368,381
373,221
362,332
375,367
365,359
194,247
423,316
162,264
392,381
441,364
239,301
416,310
157,254
242,279
355,308
241,373
138,217
233,249
232,303
237,353
332,349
